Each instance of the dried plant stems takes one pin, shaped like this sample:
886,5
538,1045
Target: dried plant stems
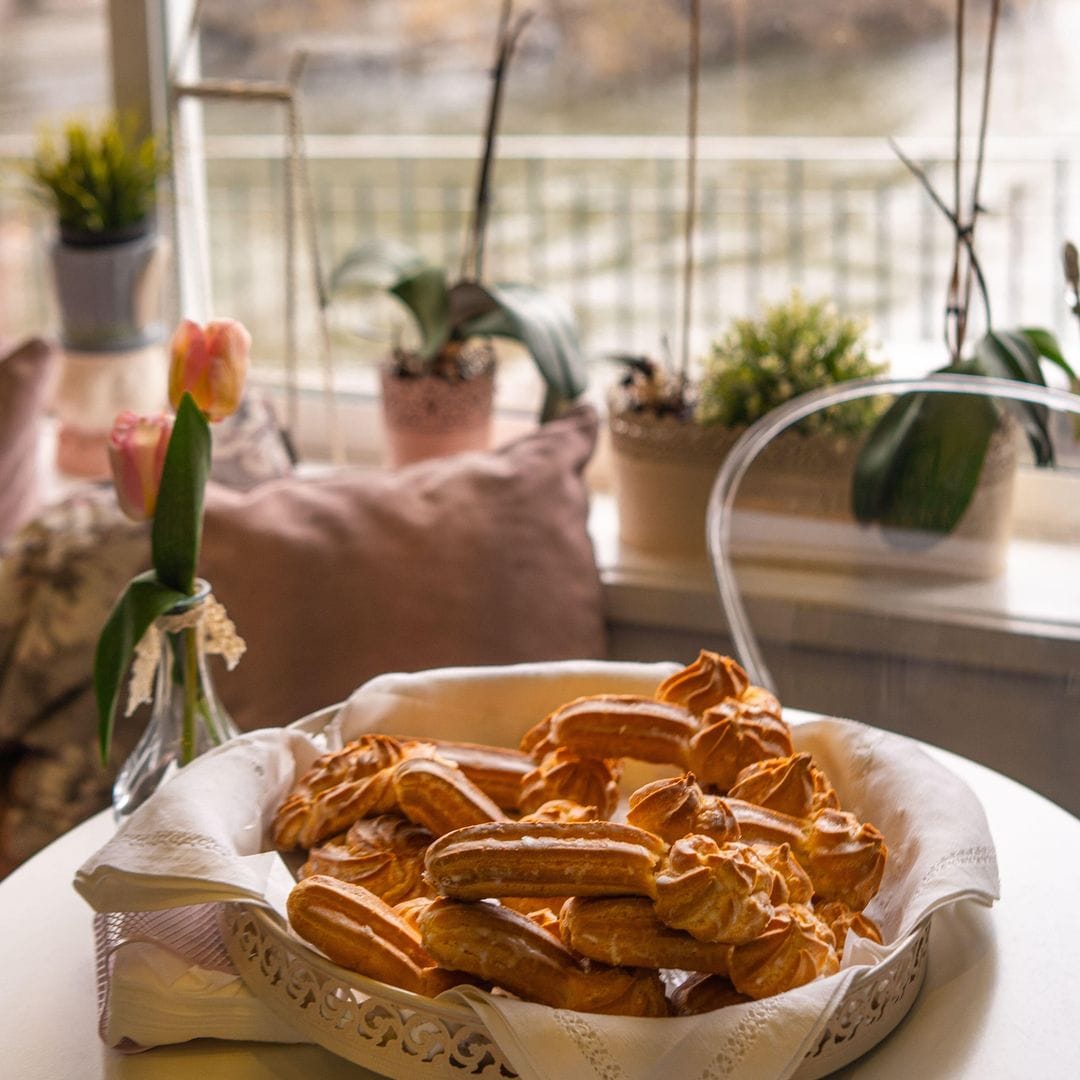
691,188
966,269
472,263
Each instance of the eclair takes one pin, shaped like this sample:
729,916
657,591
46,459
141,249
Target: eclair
437,794
514,952
357,930
624,726
597,858
625,930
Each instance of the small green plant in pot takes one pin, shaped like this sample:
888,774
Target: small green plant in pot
101,186
793,348
108,263
671,433
437,394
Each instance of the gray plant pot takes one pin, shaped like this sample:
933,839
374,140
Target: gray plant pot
110,295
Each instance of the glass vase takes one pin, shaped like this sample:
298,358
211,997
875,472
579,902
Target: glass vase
186,717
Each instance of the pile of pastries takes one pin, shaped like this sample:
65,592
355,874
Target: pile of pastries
434,863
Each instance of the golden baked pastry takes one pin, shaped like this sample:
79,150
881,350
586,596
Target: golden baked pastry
844,857
304,819
702,993
624,726
793,882
794,949
511,951
385,854
536,858
708,681
362,757
411,910
565,775
437,794
793,785
562,810
625,930
357,930
839,918
734,735
721,893
676,807
496,770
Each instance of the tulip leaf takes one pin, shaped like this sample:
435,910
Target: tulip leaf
545,325
177,527
141,602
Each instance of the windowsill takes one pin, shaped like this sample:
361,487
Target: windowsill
1026,619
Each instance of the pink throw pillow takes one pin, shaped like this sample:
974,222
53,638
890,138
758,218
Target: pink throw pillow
483,558
25,381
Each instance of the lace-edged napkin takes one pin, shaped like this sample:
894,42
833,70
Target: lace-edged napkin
200,839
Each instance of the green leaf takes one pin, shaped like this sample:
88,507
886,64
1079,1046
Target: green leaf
378,264
1009,354
1047,345
177,526
425,294
546,326
881,457
141,602
927,462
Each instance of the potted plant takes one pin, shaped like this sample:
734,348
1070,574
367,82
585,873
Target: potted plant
437,393
107,261
670,433
929,456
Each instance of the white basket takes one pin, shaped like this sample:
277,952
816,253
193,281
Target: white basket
404,1035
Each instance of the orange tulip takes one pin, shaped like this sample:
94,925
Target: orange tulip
210,363
137,447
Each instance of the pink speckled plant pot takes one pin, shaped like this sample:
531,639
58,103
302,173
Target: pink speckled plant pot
428,416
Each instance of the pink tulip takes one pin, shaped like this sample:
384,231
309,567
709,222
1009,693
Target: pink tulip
211,363
137,447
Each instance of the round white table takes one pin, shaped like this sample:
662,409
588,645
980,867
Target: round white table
1000,998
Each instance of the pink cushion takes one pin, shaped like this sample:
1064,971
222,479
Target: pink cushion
475,559
25,381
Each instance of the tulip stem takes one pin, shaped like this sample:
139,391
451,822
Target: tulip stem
191,692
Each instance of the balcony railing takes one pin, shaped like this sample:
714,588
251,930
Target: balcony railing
599,219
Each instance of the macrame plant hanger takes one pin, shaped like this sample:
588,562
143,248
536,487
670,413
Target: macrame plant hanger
299,210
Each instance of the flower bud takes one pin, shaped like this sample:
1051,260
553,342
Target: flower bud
137,446
210,362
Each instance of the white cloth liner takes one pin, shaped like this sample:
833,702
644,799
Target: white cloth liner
200,839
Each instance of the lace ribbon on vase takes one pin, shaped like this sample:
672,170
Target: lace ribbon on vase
217,635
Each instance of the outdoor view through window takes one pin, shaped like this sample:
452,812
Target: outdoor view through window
797,183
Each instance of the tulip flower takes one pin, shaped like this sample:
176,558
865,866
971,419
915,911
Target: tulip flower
136,448
209,362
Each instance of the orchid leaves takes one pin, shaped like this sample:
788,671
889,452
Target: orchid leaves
540,321
921,463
